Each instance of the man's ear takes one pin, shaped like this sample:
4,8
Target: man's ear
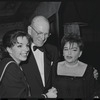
9,50
29,30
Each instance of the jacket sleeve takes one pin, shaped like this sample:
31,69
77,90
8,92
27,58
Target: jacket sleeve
91,84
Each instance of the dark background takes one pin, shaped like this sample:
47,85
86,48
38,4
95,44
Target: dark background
17,13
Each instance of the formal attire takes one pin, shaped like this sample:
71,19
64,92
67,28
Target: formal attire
39,69
13,83
76,86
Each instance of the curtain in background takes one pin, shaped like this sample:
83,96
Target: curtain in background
71,28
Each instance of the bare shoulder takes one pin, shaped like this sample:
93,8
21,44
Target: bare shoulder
61,67
82,65
61,64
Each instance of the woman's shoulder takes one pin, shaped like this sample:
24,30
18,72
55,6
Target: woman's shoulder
61,64
89,72
9,66
7,59
9,63
90,68
61,67
82,63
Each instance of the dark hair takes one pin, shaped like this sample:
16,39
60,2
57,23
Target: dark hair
10,37
72,38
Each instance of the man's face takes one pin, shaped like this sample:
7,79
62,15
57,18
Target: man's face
39,33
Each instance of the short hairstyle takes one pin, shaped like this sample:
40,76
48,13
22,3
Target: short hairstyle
10,37
72,38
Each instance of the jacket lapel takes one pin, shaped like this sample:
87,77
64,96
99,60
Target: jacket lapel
47,68
35,70
34,66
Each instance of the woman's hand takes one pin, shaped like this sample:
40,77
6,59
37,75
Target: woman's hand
95,73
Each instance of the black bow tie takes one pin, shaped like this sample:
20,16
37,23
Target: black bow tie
40,48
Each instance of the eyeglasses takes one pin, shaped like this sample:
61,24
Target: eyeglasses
41,33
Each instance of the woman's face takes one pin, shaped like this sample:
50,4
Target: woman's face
71,52
20,50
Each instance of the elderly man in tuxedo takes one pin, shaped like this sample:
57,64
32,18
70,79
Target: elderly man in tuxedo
41,64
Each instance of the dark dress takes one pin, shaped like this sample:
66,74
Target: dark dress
13,83
76,87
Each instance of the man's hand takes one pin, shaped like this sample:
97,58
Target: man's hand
52,93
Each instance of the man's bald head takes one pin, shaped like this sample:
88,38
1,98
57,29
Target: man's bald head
40,21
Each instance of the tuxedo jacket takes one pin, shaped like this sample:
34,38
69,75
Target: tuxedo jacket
33,75
13,83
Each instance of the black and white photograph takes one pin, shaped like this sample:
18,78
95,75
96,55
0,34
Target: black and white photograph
50,49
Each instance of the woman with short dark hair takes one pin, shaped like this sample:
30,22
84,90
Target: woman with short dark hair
75,79
13,83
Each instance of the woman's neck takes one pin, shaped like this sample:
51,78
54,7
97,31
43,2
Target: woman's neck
72,65
18,62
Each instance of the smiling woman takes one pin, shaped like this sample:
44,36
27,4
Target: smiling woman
20,50
13,82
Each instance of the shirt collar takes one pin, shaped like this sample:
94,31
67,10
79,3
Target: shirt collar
32,46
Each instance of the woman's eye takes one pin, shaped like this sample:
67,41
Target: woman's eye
74,49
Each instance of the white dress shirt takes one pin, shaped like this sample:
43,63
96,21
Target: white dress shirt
39,56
